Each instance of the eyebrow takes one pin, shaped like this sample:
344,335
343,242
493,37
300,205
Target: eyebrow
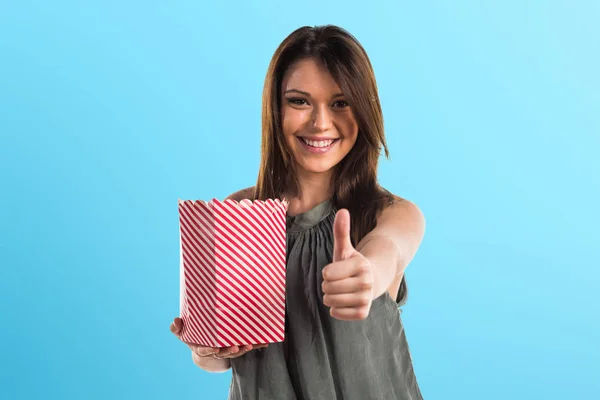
308,94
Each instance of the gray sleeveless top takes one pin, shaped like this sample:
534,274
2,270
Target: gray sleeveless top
322,357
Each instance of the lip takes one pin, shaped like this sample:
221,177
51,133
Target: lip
317,150
316,139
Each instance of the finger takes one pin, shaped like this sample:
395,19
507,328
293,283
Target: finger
243,350
353,266
350,313
236,355
202,351
247,349
177,326
224,352
347,300
342,245
348,285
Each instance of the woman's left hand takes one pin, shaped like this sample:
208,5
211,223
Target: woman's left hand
348,280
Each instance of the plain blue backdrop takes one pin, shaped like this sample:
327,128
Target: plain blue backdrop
110,111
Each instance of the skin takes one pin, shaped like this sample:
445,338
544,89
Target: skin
212,359
313,107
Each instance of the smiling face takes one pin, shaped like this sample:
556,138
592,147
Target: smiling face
319,127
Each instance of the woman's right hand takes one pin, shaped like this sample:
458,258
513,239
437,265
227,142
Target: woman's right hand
202,352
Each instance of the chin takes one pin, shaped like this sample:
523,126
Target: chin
316,167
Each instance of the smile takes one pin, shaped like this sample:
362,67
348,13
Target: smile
317,146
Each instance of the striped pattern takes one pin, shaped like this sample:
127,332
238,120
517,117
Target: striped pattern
232,271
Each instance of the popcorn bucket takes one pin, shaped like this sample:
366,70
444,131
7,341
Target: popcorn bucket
232,270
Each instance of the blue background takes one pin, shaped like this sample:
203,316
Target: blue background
110,112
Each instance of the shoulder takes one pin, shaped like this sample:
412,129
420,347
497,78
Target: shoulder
401,211
403,223
242,194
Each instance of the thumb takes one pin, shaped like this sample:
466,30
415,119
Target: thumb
342,246
177,326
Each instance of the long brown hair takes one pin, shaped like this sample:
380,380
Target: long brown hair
355,177
356,187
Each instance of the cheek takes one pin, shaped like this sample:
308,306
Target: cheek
349,129
287,122
292,121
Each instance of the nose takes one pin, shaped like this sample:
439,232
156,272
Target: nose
322,119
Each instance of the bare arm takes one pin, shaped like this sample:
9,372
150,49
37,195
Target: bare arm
357,276
392,245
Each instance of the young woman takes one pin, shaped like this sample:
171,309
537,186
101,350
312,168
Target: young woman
348,239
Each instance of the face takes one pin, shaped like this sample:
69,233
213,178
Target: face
318,125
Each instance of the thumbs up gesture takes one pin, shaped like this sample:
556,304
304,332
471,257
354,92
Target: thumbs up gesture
348,280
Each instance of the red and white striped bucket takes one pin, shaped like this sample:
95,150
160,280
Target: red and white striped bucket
232,271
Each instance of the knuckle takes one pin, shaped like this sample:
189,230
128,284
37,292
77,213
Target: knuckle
199,352
364,267
362,313
361,270
365,299
326,271
365,284
204,351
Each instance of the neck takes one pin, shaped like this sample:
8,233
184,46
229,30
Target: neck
313,190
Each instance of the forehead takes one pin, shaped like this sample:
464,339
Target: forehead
311,76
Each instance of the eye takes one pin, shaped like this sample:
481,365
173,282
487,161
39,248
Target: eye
296,101
340,104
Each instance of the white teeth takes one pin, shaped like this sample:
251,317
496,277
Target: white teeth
320,143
